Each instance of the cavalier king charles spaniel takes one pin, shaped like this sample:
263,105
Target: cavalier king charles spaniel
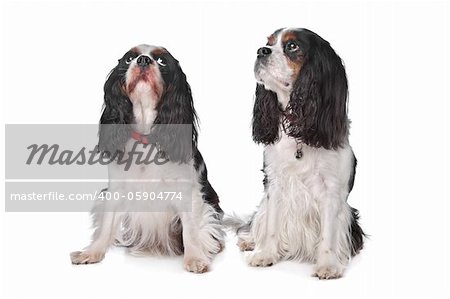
300,116
147,101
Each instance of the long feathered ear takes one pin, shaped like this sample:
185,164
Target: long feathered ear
117,115
175,111
266,116
317,110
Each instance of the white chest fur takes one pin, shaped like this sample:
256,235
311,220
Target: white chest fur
296,189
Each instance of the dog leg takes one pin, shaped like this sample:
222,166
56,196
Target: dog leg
333,252
195,260
202,237
103,237
264,230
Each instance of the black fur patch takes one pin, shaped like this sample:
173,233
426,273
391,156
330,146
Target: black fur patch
317,110
266,116
117,111
209,194
357,233
176,107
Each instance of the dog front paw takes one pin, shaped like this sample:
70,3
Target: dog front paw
196,265
221,246
261,259
245,245
328,271
86,257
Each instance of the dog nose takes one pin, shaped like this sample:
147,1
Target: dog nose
144,60
263,52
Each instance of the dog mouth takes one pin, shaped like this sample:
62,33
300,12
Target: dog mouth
143,77
260,72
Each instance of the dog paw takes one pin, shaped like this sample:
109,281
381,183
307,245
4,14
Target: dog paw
196,265
245,245
261,259
86,257
328,271
221,246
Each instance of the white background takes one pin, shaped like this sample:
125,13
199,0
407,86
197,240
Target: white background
55,57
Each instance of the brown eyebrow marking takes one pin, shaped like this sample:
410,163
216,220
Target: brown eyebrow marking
271,40
288,36
159,51
135,50
296,62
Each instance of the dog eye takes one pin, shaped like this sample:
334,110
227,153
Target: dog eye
161,61
291,46
129,59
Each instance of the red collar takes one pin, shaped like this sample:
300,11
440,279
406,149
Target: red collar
140,137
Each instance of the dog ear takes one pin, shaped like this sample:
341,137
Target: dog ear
116,117
175,128
317,111
266,116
